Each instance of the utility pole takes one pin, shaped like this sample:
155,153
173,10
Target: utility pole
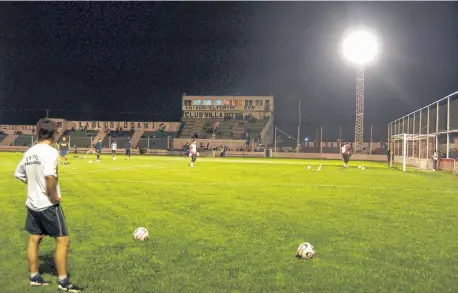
47,113
299,129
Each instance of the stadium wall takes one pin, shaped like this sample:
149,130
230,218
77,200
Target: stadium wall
127,125
178,143
96,125
30,129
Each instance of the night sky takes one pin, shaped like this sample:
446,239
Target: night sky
107,58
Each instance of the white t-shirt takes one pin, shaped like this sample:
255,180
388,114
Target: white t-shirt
344,149
39,161
193,148
114,146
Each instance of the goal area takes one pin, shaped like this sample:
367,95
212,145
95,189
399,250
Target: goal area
414,138
417,151
413,150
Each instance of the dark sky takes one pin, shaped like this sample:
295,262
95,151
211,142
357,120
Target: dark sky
141,57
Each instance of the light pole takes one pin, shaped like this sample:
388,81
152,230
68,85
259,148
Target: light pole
360,48
275,140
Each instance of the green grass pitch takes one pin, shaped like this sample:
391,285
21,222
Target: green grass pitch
233,225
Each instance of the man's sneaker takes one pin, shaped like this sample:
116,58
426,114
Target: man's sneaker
66,286
38,281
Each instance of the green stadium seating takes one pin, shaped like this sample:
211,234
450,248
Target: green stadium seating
24,140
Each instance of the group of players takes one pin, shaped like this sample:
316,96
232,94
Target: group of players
63,148
189,149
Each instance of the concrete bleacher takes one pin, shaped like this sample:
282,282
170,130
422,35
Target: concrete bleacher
231,129
82,139
121,138
24,140
2,136
227,129
158,134
155,139
255,127
192,127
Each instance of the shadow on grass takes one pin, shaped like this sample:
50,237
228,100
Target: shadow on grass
46,264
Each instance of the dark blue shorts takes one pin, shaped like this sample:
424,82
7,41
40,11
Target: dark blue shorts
50,221
186,153
63,153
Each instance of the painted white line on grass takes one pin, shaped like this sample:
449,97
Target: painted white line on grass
274,184
259,161
107,170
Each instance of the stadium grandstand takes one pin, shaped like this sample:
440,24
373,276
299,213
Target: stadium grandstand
237,122
82,135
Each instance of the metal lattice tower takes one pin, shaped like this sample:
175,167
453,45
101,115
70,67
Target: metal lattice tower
359,122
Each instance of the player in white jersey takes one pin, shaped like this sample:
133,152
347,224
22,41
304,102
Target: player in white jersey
114,147
345,150
38,169
193,153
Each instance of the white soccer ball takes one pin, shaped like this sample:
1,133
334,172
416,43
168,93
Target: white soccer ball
308,167
359,167
114,159
141,234
90,162
305,251
362,168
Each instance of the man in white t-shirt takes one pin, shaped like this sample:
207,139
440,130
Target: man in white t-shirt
114,147
38,169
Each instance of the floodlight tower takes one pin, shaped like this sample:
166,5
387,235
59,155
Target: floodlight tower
360,48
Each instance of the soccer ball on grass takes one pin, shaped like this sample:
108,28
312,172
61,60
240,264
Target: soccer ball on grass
141,234
305,251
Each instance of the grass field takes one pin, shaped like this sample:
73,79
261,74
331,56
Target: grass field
233,225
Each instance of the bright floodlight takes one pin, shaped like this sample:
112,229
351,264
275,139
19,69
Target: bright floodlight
360,47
